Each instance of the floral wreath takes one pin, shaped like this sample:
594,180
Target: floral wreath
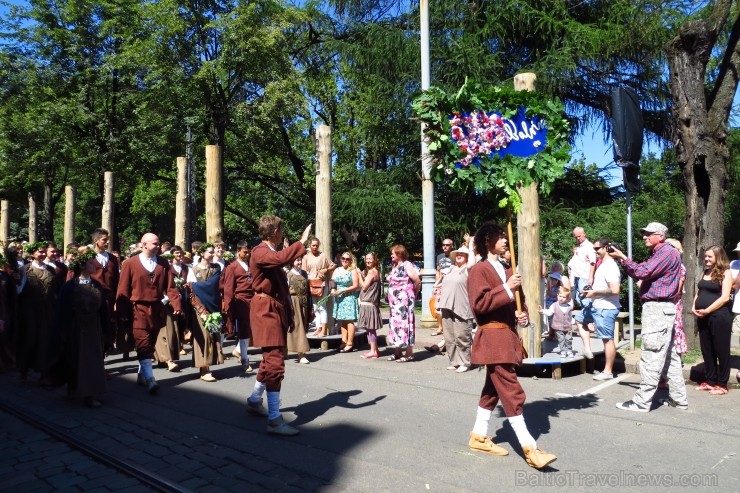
204,247
82,259
32,248
466,136
167,256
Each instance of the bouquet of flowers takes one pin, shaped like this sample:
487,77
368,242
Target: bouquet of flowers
229,256
478,134
179,282
214,323
322,301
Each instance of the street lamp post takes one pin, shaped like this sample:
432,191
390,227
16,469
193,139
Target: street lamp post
427,186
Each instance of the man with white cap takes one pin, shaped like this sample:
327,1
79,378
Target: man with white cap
735,270
660,274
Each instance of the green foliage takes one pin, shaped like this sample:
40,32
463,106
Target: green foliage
501,175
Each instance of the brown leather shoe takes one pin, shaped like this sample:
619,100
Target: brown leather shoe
485,444
537,458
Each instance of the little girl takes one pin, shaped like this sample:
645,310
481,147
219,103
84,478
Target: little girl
561,312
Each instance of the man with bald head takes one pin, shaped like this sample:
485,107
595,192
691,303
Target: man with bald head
144,282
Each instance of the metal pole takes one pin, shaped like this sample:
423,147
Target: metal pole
427,186
630,282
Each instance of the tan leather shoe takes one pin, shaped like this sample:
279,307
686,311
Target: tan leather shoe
537,458
485,444
208,377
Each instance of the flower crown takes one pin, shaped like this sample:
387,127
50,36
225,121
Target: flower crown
82,259
204,247
167,256
31,248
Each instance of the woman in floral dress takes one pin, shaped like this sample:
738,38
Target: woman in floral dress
346,307
403,282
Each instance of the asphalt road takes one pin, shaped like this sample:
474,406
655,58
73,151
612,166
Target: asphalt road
375,425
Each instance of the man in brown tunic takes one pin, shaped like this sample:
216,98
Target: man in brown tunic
106,273
145,280
238,293
271,318
496,345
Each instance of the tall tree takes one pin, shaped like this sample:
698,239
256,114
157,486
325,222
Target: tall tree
704,60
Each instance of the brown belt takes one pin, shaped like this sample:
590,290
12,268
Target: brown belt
495,325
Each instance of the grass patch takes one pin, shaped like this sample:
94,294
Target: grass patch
691,357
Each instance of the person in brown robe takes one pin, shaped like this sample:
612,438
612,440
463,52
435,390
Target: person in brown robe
300,298
106,272
238,293
271,317
37,348
168,345
83,321
491,290
207,347
145,280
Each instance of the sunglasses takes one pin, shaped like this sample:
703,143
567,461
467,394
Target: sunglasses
347,259
446,244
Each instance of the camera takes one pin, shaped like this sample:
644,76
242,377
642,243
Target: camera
611,247
582,294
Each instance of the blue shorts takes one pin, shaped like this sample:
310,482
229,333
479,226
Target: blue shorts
585,316
604,319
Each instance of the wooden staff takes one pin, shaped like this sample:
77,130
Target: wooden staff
513,260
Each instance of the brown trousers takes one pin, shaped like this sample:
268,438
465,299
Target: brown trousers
272,368
502,384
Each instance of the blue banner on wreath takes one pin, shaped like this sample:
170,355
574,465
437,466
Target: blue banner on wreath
488,134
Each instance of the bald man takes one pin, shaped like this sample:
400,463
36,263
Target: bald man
144,282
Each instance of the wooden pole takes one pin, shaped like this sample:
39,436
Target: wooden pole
4,222
32,237
181,204
214,197
69,214
528,232
108,219
323,189
323,207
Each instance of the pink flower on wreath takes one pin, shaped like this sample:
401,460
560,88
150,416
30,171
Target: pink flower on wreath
478,134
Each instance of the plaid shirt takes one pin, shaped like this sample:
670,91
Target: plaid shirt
660,273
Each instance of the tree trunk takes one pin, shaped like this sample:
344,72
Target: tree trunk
46,232
701,115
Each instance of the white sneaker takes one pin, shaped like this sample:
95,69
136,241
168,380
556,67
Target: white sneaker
462,369
603,376
451,367
304,361
563,354
631,406
588,354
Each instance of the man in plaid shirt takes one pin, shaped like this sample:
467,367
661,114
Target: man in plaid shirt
659,274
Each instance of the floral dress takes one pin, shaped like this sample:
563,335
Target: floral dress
679,336
401,299
345,304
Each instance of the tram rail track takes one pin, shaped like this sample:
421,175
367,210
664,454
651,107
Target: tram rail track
146,477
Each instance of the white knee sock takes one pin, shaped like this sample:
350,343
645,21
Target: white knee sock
481,421
145,368
273,405
259,389
243,347
522,433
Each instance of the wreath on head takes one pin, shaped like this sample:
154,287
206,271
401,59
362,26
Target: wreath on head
3,261
82,259
204,247
71,251
167,256
32,248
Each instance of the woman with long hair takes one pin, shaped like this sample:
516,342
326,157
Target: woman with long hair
403,283
346,309
370,318
712,310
